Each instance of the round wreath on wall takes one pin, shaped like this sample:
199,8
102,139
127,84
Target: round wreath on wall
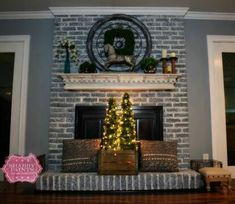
122,40
118,43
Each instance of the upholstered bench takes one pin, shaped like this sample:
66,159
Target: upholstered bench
215,174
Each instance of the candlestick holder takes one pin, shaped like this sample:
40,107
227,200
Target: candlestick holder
173,64
164,64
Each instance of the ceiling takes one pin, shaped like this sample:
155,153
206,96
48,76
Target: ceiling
227,6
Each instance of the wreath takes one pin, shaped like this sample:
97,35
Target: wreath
121,39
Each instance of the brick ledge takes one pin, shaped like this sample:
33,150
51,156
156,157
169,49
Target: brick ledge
91,181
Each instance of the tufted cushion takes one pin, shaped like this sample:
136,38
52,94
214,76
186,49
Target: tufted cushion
80,155
158,156
215,174
214,171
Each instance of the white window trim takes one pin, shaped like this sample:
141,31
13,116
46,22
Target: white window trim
217,100
18,127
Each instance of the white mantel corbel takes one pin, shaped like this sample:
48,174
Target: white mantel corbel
119,81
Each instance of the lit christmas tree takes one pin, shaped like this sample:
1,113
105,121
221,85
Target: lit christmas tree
126,128
109,139
118,155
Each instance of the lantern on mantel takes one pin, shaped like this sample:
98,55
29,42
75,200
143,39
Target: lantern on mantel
168,69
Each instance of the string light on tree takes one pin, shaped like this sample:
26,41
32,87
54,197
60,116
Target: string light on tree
126,129
119,140
110,139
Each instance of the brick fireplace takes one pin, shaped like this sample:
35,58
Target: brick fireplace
167,32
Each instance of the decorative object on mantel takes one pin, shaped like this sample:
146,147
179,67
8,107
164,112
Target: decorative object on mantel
173,60
113,58
122,39
67,50
164,60
126,34
118,154
149,65
119,44
167,69
87,67
120,81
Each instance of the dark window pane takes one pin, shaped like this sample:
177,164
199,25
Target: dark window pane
229,89
6,80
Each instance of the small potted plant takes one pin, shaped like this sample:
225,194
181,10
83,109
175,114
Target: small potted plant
87,67
149,65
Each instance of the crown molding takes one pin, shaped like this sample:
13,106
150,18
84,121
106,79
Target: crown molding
175,11
210,16
26,15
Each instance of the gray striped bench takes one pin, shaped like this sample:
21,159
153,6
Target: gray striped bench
185,179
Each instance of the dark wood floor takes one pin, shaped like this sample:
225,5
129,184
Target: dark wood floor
24,194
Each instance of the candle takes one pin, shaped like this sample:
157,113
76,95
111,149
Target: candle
164,53
172,54
168,69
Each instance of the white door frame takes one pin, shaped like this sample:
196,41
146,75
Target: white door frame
20,45
216,44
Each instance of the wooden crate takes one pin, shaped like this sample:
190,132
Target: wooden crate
123,162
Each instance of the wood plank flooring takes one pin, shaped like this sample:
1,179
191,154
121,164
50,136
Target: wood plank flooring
25,194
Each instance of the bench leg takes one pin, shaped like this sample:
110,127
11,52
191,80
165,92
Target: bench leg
229,183
208,187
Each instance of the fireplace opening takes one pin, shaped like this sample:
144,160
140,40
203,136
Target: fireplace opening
148,119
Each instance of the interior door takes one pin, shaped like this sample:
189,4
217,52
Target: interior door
13,83
6,83
221,50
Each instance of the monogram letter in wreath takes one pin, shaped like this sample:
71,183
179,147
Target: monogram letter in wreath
118,43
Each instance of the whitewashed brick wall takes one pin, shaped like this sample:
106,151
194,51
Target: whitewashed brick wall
167,32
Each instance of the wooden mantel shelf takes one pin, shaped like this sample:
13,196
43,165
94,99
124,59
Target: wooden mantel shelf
118,81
